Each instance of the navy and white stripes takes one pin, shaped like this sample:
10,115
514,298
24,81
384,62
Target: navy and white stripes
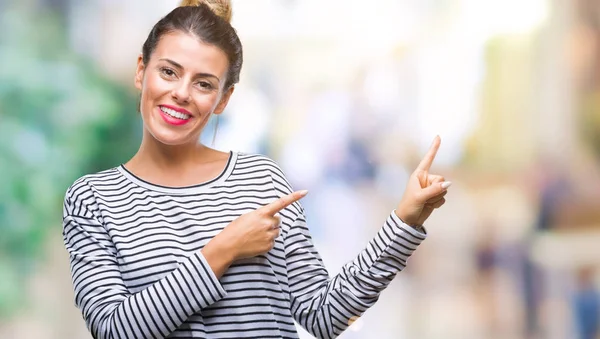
138,272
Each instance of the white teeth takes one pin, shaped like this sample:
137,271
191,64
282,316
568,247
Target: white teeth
174,113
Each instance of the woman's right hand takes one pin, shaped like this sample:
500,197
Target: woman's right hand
249,235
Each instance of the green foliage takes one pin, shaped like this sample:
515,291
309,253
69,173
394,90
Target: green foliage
59,119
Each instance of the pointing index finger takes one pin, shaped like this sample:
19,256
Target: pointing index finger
283,202
428,159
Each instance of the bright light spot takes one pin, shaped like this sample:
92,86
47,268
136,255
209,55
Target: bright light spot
506,16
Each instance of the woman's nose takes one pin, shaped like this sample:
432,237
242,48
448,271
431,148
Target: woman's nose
181,92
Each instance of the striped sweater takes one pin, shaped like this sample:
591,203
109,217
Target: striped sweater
137,270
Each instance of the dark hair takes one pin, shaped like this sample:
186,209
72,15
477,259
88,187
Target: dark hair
202,22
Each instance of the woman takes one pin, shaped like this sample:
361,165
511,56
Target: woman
187,241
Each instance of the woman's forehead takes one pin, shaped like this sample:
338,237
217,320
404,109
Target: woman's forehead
190,52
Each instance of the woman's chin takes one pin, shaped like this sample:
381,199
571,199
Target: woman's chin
171,138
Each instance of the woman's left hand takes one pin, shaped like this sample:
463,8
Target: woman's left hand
424,191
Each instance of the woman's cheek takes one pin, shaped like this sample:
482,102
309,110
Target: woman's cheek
207,103
159,85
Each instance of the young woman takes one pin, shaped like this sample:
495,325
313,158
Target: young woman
186,241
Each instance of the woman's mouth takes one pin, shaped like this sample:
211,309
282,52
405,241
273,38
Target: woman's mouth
173,117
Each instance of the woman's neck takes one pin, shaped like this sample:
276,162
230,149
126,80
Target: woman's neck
154,153
178,165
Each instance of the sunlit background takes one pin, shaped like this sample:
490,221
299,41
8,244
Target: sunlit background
346,96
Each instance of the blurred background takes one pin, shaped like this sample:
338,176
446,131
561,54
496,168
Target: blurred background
346,96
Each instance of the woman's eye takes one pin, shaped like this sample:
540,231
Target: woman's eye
168,72
205,85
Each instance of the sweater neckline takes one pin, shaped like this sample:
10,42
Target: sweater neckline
191,189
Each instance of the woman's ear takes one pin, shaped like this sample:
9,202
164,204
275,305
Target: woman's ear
139,72
224,100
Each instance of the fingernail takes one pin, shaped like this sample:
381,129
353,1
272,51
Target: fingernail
446,184
303,192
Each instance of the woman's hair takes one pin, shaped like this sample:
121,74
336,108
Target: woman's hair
208,20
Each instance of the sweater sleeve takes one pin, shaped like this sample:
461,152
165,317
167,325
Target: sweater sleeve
108,308
325,306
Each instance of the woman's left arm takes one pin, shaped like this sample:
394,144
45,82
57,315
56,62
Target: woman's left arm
324,306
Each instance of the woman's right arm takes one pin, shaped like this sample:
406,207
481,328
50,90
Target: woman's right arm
109,309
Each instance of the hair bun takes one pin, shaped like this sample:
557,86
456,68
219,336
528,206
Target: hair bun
221,8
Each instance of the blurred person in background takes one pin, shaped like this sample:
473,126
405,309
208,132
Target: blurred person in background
185,240
586,304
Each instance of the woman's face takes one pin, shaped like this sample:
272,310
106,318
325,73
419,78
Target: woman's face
182,85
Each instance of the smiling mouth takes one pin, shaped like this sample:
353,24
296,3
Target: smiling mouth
174,113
